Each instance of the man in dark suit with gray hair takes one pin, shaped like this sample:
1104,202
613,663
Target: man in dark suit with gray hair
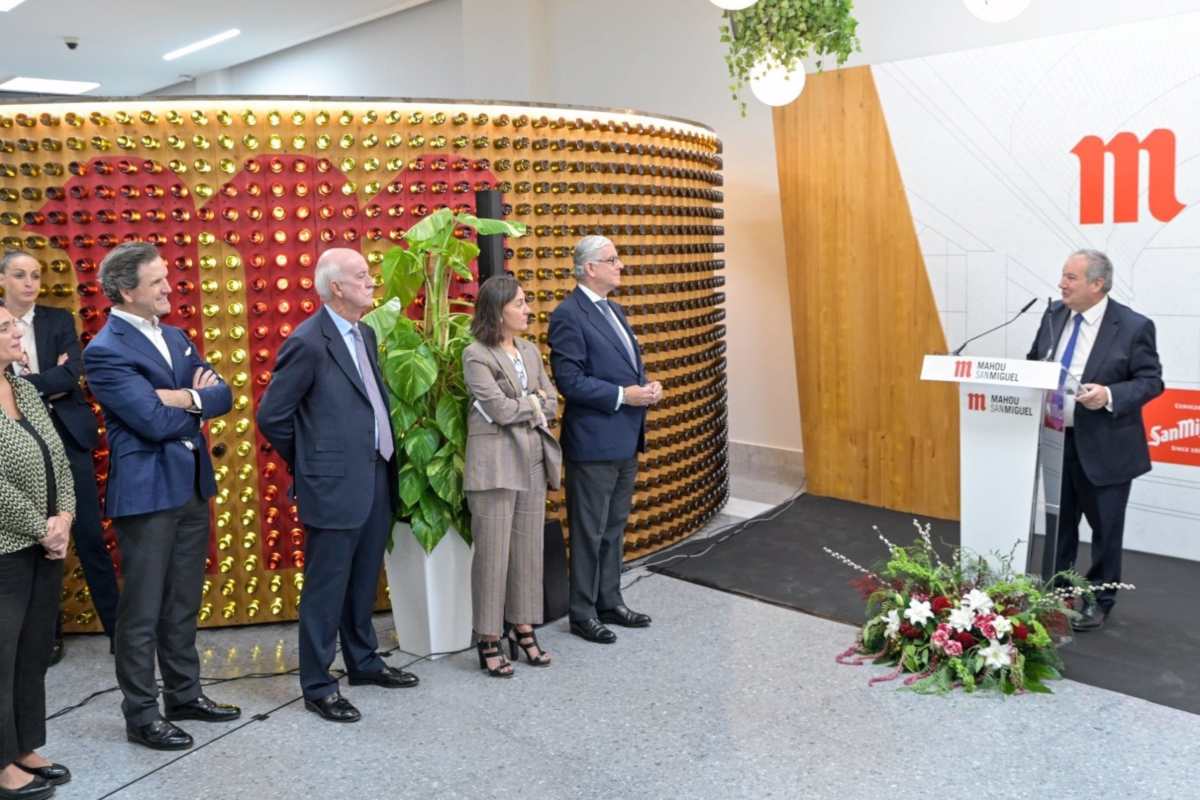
1109,351
599,370
326,413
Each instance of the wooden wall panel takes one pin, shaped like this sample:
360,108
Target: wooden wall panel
863,313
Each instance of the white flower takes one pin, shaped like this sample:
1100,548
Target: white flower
918,611
893,624
978,601
1002,625
996,655
961,618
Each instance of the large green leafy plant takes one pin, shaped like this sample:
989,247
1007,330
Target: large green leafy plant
421,363
784,32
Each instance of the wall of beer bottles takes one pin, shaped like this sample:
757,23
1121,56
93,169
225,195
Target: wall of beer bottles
242,194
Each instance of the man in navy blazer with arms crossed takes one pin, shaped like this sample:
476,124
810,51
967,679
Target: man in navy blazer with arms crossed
599,370
155,391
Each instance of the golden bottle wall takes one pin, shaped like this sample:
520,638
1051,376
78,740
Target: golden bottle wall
241,196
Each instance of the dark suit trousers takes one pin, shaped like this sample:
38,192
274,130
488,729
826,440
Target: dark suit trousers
89,537
599,496
162,557
341,579
29,587
1104,507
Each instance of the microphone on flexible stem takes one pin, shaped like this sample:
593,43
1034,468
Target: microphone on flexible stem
962,346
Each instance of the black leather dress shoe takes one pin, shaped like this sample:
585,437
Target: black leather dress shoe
1092,618
593,631
54,774
158,735
204,710
36,789
388,677
624,616
56,651
334,708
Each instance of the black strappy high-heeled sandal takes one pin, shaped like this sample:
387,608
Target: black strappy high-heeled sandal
527,641
491,649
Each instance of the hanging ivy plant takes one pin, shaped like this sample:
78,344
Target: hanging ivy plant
785,32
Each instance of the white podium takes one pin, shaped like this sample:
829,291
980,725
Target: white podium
1000,409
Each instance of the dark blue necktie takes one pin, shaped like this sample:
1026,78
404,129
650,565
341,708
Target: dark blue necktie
1070,351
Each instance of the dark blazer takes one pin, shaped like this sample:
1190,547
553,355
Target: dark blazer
150,468
590,364
1112,446
316,415
54,332
498,454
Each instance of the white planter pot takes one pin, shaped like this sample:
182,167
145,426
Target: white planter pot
430,592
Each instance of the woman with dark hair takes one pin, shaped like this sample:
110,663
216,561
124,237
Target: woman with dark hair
37,507
511,457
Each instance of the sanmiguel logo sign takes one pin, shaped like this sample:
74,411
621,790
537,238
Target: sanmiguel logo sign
1172,423
1126,149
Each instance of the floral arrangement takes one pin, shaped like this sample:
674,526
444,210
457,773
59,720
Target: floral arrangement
962,622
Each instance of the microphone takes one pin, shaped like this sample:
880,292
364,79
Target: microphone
1025,308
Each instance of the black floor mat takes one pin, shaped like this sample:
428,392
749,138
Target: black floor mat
1149,648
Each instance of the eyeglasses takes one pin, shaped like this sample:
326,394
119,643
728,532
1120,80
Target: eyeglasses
611,260
7,327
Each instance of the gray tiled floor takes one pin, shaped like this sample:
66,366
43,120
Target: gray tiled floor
724,697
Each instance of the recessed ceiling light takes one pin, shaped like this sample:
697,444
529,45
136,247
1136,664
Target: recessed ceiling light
200,45
47,86
9,5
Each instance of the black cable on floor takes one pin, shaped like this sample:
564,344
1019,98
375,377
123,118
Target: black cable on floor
734,529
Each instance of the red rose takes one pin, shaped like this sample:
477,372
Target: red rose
941,603
1011,611
1019,631
965,639
910,631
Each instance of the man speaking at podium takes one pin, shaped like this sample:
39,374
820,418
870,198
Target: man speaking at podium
1109,349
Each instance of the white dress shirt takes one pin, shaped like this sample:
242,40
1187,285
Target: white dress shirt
29,345
1088,330
595,298
153,331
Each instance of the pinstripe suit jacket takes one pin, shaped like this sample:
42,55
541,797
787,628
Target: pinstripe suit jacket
498,451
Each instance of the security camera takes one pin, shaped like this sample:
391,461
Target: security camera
72,42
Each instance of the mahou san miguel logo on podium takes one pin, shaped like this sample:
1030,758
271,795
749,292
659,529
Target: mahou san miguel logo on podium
1172,423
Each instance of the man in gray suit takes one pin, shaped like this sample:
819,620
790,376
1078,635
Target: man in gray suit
599,370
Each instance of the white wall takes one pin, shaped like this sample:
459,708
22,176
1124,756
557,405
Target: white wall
661,56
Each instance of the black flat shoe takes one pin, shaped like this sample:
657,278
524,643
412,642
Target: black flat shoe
593,631
1092,618
57,651
36,789
205,710
388,678
54,774
158,735
334,708
625,617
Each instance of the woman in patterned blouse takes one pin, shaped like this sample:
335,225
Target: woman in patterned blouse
37,506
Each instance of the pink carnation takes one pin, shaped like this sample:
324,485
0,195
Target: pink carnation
953,649
986,624
941,635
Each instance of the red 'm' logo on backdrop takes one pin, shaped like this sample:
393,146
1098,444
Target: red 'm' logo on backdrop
976,401
1126,150
962,369
1172,423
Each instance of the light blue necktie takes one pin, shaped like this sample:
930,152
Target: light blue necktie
609,315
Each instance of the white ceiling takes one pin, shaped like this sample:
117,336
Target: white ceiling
122,43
